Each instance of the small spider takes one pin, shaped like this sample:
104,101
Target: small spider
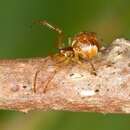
84,45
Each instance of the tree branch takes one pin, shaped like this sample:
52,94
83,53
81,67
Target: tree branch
52,84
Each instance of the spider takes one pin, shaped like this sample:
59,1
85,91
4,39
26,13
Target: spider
83,45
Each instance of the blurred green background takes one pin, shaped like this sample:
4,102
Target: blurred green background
19,38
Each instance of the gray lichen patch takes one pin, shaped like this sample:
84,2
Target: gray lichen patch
120,49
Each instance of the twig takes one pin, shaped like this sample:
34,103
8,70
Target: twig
72,87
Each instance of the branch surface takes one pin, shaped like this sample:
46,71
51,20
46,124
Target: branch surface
53,83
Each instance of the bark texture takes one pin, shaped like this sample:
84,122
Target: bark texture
53,83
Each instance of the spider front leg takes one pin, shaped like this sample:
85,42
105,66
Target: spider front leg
93,68
34,87
60,40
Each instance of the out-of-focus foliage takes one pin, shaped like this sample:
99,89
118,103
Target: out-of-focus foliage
20,38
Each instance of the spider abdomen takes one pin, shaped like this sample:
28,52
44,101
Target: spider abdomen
85,44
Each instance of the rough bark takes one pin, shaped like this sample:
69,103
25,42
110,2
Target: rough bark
53,83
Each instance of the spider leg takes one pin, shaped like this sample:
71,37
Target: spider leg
77,59
69,41
35,80
34,88
93,68
48,81
60,40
